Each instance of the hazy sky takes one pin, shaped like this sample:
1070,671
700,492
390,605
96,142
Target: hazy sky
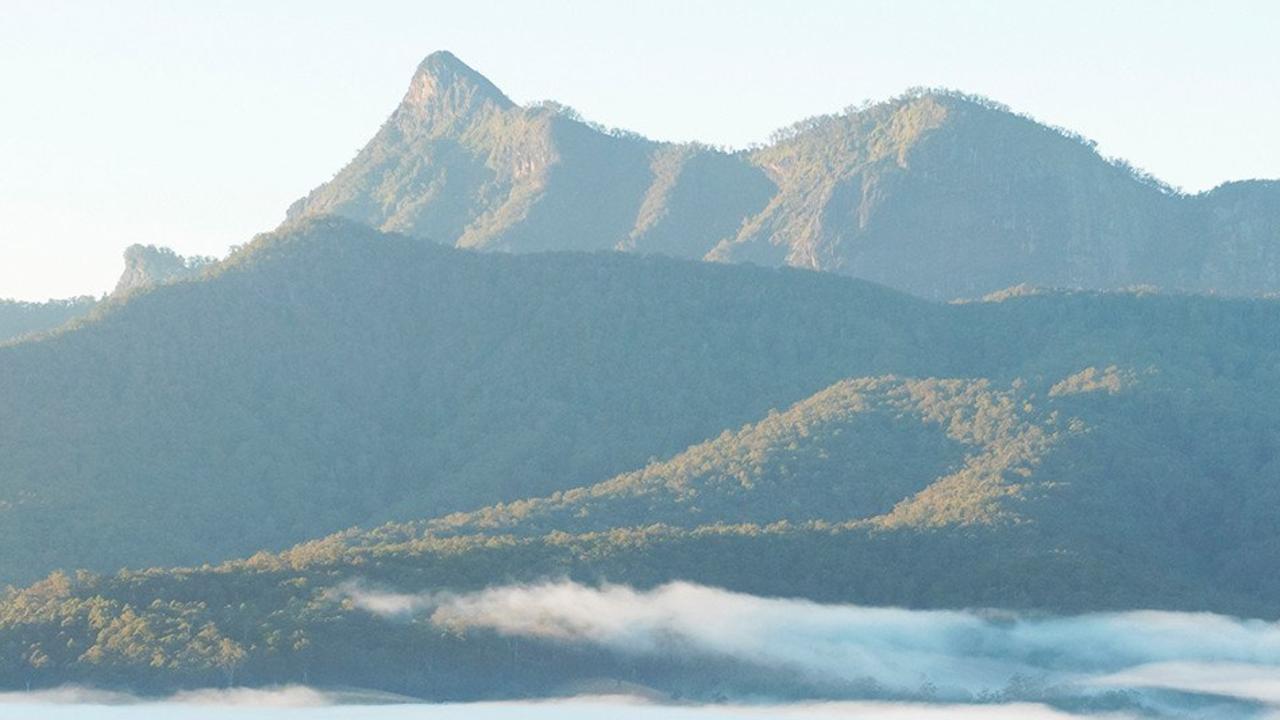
194,124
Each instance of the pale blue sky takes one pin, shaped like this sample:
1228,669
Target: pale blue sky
194,124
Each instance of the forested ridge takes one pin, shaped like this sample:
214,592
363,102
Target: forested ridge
1055,512
278,619
199,471
935,192
329,375
20,318
144,266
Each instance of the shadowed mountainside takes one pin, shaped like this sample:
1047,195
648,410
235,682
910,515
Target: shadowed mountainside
329,375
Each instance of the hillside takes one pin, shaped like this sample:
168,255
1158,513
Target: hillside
948,196
148,265
19,318
935,193
458,162
859,450
1067,496
329,375
144,266
1113,468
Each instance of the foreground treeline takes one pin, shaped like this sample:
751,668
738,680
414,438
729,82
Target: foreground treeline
1076,496
278,619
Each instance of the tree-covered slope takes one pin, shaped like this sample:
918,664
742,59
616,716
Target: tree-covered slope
935,193
148,265
1101,463
861,449
1067,496
144,265
458,162
19,318
329,375
947,196
287,619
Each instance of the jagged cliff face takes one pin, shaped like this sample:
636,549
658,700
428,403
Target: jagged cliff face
148,265
939,194
459,163
1242,227
945,197
144,266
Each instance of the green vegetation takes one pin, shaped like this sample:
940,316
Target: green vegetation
1061,531
145,265
861,449
282,618
148,265
458,162
18,318
1106,451
1008,201
431,419
1005,200
1092,495
328,376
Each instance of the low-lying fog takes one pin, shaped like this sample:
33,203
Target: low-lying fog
980,664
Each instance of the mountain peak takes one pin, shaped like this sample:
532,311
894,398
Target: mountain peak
445,88
147,265
443,61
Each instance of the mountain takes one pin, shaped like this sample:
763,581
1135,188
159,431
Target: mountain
459,162
946,196
19,318
147,265
1106,489
864,448
936,193
1241,227
285,466
1113,472
328,375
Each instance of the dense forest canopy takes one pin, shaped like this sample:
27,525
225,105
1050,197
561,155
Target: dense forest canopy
328,375
366,397
1055,511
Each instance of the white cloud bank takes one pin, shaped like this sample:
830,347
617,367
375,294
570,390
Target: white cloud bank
961,654
278,704
286,696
